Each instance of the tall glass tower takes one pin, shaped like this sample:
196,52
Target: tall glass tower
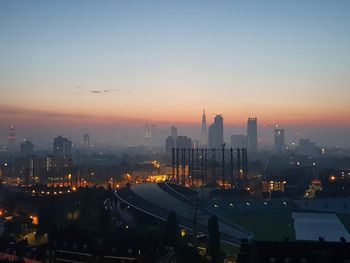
216,132
12,138
204,131
252,134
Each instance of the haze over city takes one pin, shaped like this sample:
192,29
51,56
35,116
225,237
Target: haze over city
73,67
187,131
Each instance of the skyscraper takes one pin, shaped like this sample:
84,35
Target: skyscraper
12,138
151,135
170,143
183,142
27,147
204,131
154,135
148,135
279,140
252,134
216,132
61,162
86,140
173,132
306,147
62,147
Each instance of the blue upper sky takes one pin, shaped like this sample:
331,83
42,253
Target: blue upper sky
279,60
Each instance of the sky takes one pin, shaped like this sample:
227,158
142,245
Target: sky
71,66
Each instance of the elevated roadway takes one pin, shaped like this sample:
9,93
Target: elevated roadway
154,201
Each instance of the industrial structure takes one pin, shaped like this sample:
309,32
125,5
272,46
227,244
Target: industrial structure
226,167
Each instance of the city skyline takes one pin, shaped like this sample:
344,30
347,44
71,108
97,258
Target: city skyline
133,135
65,64
174,131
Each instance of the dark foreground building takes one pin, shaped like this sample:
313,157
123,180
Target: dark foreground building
294,252
77,246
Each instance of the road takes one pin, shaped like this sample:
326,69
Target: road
155,195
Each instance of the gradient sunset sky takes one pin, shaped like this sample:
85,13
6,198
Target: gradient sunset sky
87,63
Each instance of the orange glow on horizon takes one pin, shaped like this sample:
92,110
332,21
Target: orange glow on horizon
189,116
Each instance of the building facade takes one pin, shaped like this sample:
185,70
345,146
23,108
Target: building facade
204,131
252,134
279,140
216,132
27,147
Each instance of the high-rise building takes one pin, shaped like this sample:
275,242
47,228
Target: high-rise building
170,141
59,165
151,135
216,132
62,147
148,135
279,140
170,144
204,131
183,142
12,138
36,170
238,141
154,135
86,140
27,147
306,147
173,132
252,134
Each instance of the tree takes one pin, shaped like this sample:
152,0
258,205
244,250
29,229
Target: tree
172,232
105,220
87,206
214,239
187,254
46,220
13,228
